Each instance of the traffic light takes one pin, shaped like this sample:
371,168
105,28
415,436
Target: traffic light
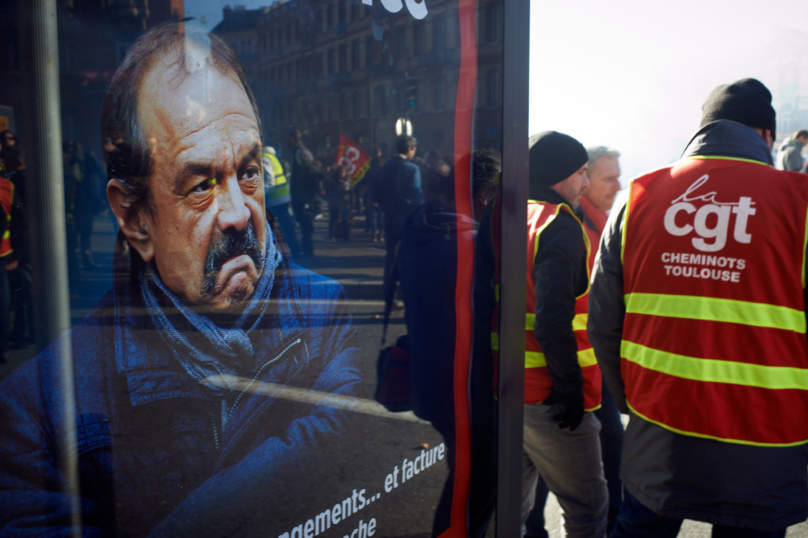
410,94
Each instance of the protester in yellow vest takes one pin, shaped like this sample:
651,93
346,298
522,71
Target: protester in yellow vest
697,318
603,171
562,380
277,195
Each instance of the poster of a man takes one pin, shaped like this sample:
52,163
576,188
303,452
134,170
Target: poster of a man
182,370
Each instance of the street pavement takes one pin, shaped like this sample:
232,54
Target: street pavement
384,438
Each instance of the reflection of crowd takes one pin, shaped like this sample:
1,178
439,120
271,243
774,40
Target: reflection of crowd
84,184
15,262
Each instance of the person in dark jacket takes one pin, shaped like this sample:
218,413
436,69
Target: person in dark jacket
427,264
561,441
397,189
789,156
744,490
305,188
174,407
340,194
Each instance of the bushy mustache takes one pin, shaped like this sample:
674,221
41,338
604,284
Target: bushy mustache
226,245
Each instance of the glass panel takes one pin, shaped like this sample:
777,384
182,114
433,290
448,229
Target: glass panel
246,204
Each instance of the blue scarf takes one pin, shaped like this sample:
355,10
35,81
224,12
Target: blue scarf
213,355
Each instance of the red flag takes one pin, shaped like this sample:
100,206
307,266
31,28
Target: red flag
352,157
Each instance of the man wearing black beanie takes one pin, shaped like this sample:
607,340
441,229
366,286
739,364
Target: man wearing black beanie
692,267
562,379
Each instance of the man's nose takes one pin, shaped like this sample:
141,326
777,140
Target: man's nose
233,212
585,182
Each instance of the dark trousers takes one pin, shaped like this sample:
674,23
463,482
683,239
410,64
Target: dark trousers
637,521
22,294
392,237
374,217
5,305
304,214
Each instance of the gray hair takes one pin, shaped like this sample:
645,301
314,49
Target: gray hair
598,152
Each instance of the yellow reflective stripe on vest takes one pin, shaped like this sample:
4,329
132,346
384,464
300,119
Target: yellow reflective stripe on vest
277,168
7,234
495,341
578,322
712,309
534,359
624,223
715,371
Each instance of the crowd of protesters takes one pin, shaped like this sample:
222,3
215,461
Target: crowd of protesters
84,185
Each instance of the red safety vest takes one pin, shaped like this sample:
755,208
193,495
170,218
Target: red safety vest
538,380
6,201
582,304
714,339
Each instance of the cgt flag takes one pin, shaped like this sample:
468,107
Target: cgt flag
352,157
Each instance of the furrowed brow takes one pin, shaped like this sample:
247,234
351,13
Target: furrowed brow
191,170
254,154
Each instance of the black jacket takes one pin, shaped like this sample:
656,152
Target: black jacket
560,276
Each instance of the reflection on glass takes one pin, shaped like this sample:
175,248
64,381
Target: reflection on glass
259,205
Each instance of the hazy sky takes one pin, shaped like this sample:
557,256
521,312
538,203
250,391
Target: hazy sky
633,74
211,10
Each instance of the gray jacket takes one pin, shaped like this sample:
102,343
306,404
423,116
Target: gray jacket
677,475
790,156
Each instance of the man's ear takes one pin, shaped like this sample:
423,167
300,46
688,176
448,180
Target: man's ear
768,136
134,222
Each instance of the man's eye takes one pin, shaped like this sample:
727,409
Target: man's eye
205,185
251,172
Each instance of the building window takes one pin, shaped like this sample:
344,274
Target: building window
332,62
418,39
494,88
379,101
438,34
369,60
341,13
329,17
402,43
355,55
343,107
343,59
440,94
493,24
354,10
357,105
301,69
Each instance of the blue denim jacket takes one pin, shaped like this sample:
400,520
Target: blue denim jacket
151,447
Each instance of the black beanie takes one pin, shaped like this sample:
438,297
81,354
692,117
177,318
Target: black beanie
554,157
746,101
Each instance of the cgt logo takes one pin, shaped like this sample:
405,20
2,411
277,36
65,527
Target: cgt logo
723,211
416,9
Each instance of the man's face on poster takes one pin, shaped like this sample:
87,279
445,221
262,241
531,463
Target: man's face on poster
206,231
